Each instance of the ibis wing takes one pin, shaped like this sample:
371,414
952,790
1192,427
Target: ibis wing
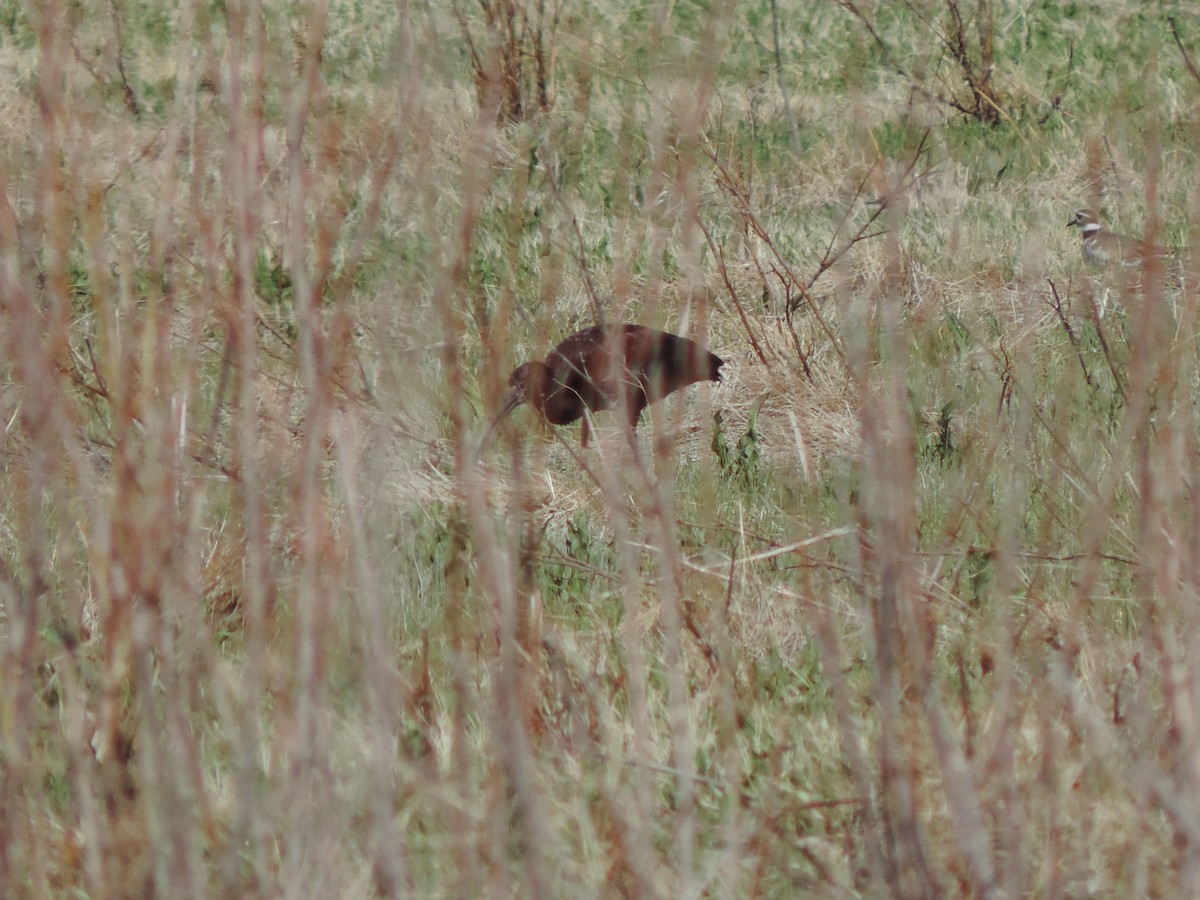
663,363
582,377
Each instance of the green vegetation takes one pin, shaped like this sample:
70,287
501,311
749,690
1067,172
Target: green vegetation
904,607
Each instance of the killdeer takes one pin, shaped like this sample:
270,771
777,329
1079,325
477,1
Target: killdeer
1101,246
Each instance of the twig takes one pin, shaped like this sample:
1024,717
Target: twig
131,101
1107,354
1071,336
719,255
887,51
1187,60
787,100
731,189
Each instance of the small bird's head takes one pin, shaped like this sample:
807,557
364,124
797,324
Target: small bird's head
1085,220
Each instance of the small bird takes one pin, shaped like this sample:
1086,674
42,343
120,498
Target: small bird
1101,246
586,371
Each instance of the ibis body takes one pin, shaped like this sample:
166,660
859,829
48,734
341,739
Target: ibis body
606,366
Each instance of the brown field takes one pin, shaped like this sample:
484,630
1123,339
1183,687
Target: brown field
906,606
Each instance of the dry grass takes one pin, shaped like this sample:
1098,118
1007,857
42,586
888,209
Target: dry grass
905,606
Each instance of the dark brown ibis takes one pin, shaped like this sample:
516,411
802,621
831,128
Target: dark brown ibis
586,371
